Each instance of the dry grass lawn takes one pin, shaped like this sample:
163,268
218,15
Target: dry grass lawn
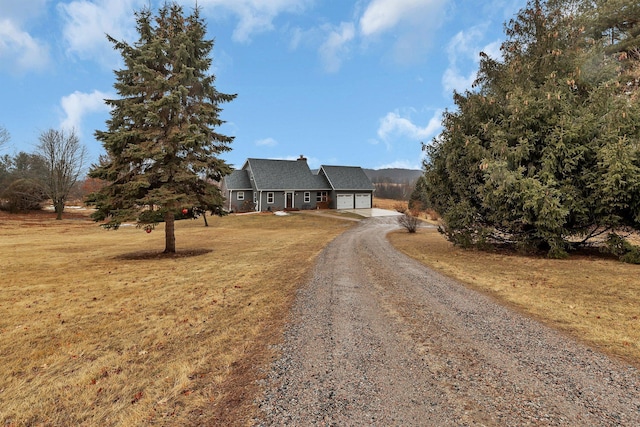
97,328
389,204
592,298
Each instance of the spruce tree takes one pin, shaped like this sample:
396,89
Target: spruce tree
614,26
544,152
162,147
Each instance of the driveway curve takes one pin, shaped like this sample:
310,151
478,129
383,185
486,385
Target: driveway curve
378,339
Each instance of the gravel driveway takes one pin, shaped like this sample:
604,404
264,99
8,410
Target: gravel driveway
378,339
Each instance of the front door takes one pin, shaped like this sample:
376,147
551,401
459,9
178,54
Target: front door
288,202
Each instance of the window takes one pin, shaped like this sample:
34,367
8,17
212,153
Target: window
307,197
270,198
240,195
321,196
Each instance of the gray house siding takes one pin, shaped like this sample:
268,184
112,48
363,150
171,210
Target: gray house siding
280,201
234,185
235,204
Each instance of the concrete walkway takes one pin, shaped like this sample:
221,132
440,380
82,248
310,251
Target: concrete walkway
373,212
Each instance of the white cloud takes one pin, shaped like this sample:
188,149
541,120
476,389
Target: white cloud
88,22
335,48
414,20
493,50
464,52
255,16
382,15
18,50
394,125
296,36
266,142
401,164
79,104
307,38
453,80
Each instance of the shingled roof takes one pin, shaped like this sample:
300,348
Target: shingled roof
346,177
238,180
284,175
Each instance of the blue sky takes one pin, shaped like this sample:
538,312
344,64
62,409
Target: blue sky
343,82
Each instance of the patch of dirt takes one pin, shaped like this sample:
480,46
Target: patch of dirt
148,255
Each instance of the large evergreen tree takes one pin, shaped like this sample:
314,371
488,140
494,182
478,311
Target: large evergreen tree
161,143
544,152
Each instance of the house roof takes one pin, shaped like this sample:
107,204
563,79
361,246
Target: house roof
279,175
284,175
346,177
238,180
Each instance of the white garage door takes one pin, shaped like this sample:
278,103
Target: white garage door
363,201
345,201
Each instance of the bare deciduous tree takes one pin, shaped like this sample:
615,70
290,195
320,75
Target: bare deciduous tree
65,159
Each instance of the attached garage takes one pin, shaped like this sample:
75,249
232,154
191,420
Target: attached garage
350,187
344,201
363,201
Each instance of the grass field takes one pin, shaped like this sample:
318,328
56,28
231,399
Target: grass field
98,328
592,298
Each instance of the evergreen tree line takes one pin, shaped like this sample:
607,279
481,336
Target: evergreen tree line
22,182
543,152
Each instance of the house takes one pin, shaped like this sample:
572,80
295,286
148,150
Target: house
272,185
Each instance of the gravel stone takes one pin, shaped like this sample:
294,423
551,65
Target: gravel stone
378,339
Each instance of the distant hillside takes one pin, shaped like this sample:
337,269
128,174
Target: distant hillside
394,183
395,175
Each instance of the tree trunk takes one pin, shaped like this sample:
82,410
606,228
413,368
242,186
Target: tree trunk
169,233
204,216
59,208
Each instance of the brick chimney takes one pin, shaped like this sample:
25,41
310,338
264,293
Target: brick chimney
302,158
